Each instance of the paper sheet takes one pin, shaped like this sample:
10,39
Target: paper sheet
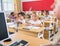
11,24
32,27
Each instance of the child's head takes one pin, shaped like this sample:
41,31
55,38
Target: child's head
21,15
42,11
46,12
34,16
12,13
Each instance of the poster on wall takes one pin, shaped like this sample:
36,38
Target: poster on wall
37,5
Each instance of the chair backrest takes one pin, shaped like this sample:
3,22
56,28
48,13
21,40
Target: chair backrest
46,24
46,34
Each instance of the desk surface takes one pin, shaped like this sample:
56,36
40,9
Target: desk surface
32,40
31,30
49,21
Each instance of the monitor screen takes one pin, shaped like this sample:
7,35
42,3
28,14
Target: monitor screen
3,27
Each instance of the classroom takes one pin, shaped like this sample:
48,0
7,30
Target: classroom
29,22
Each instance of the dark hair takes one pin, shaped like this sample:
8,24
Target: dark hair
42,11
28,16
22,13
47,12
12,13
34,13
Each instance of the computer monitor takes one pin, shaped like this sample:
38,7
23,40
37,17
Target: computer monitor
3,27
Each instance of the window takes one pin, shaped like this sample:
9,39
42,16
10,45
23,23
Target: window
8,5
5,7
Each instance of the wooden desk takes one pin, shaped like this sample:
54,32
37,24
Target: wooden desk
48,21
8,20
31,32
32,40
47,34
55,25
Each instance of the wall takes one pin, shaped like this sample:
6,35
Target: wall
26,1
36,5
20,7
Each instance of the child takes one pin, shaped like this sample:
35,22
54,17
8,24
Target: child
12,16
21,18
34,21
46,15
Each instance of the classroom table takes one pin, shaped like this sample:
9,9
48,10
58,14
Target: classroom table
31,32
33,41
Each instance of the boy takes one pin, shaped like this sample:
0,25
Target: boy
46,15
21,18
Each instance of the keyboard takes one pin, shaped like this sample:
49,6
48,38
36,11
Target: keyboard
19,43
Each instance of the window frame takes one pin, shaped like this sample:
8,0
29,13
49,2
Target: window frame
7,7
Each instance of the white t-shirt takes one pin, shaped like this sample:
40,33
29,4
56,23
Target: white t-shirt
22,21
31,22
46,17
35,22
